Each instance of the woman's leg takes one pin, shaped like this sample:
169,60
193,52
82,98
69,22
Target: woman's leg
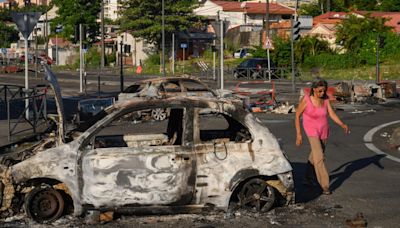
317,159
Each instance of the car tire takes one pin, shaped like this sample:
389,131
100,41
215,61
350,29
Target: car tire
256,195
44,204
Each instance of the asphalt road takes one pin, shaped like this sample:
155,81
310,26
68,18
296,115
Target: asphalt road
362,181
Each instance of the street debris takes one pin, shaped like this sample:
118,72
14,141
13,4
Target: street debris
257,99
394,141
284,109
357,221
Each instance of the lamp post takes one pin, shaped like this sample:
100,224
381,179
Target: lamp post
163,38
121,73
102,34
36,53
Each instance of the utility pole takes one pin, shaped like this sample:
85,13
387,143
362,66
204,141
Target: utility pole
46,35
214,57
102,34
163,39
222,54
26,72
121,72
80,59
267,17
378,44
36,53
173,54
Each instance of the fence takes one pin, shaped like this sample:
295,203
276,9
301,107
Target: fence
18,102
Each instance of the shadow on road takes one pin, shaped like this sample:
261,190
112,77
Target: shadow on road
304,193
337,179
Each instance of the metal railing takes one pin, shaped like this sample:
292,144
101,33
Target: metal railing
14,97
262,73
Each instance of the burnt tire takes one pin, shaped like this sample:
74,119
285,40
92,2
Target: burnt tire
44,204
256,196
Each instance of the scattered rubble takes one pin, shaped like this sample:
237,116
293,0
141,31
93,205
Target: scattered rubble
394,141
357,221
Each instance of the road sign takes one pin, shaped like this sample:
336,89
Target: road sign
268,44
217,27
183,45
26,22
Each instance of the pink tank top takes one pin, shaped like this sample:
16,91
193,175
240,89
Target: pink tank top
315,119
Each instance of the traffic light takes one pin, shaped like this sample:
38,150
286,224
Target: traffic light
381,41
296,30
77,33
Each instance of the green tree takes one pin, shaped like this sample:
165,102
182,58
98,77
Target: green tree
312,9
368,5
142,18
8,34
353,32
281,53
310,46
71,13
390,5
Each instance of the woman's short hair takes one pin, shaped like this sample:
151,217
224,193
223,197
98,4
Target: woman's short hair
318,82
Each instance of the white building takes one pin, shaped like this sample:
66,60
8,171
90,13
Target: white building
111,9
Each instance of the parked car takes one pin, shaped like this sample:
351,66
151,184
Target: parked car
163,88
209,153
253,68
243,52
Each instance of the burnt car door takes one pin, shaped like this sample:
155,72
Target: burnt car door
223,146
129,162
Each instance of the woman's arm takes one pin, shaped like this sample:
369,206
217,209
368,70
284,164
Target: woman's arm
299,112
336,119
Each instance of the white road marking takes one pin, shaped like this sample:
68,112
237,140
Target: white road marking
368,140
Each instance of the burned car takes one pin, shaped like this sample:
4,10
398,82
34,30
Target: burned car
163,88
208,153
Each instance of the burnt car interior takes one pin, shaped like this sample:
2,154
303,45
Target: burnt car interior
192,86
123,132
218,126
135,88
170,87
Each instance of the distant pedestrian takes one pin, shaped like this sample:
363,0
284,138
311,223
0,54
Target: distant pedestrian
315,108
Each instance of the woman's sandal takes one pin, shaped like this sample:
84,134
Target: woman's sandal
326,192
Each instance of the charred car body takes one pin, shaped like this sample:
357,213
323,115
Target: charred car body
209,152
164,88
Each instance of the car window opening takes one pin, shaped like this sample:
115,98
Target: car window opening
134,130
220,127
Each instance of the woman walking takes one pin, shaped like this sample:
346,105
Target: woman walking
315,108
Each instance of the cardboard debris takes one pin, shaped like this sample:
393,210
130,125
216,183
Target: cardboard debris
283,109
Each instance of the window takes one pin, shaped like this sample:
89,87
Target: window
135,88
137,130
193,86
170,87
217,126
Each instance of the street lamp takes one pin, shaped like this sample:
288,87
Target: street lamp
163,38
121,65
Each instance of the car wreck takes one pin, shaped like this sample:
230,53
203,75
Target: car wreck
208,153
